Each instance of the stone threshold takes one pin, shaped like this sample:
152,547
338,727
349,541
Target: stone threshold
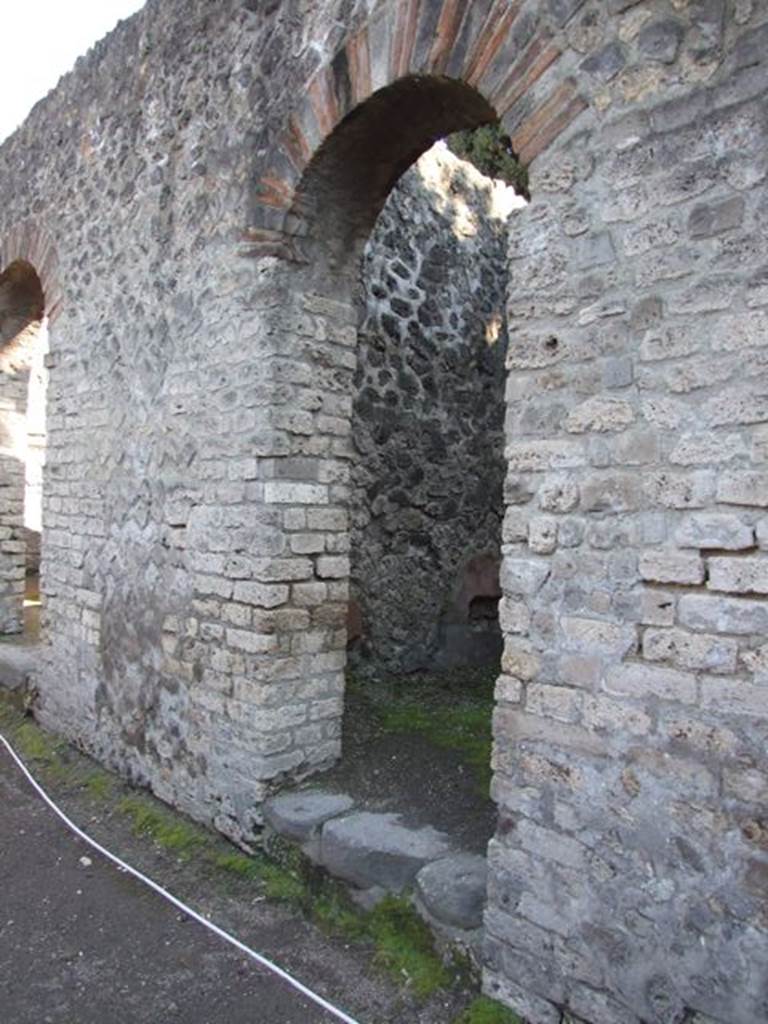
376,854
17,662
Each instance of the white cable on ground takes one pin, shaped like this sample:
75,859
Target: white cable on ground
284,975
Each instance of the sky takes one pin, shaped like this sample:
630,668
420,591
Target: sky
41,40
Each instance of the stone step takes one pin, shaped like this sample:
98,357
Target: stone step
376,853
452,890
369,849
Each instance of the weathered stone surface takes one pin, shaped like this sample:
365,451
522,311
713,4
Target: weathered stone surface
17,665
714,530
430,344
744,488
689,650
370,849
668,566
453,889
738,575
204,352
299,816
723,614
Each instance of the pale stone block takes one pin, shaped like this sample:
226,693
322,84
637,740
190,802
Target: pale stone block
262,595
523,576
601,414
740,575
601,713
333,566
743,488
691,650
729,696
668,566
714,530
287,493
558,702
709,612
657,608
253,643
558,494
542,535
597,636
641,681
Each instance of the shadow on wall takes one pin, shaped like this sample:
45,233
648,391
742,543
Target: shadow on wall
428,419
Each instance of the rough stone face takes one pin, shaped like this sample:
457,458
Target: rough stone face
210,200
453,889
370,849
298,816
428,421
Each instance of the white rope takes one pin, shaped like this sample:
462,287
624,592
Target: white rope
262,960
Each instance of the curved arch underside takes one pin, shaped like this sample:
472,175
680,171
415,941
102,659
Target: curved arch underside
490,59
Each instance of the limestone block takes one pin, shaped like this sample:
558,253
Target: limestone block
657,608
558,494
523,576
605,715
699,449
377,849
542,535
635,679
598,637
743,488
691,650
663,565
298,816
559,702
739,575
287,493
711,613
263,595
714,530
731,696
453,889
602,414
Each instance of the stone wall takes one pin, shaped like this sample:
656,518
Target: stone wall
630,760
428,421
209,200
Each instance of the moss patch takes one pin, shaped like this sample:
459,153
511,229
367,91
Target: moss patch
487,1011
166,828
404,946
452,711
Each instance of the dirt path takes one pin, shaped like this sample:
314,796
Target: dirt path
81,942
84,943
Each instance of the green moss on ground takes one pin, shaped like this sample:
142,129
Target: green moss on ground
452,711
405,948
400,942
487,1011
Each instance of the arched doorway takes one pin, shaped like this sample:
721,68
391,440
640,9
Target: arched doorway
23,347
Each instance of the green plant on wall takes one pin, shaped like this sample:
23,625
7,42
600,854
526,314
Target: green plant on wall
490,150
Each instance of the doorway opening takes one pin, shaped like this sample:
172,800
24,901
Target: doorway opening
426,499
23,380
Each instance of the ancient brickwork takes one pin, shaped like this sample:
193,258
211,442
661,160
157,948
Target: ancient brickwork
630,735
428,420
13,397
208,202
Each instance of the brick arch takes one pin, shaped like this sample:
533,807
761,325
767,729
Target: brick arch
31,242
511,54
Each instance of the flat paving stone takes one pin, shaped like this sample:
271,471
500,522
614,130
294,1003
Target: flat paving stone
298,815
453,889
370,849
